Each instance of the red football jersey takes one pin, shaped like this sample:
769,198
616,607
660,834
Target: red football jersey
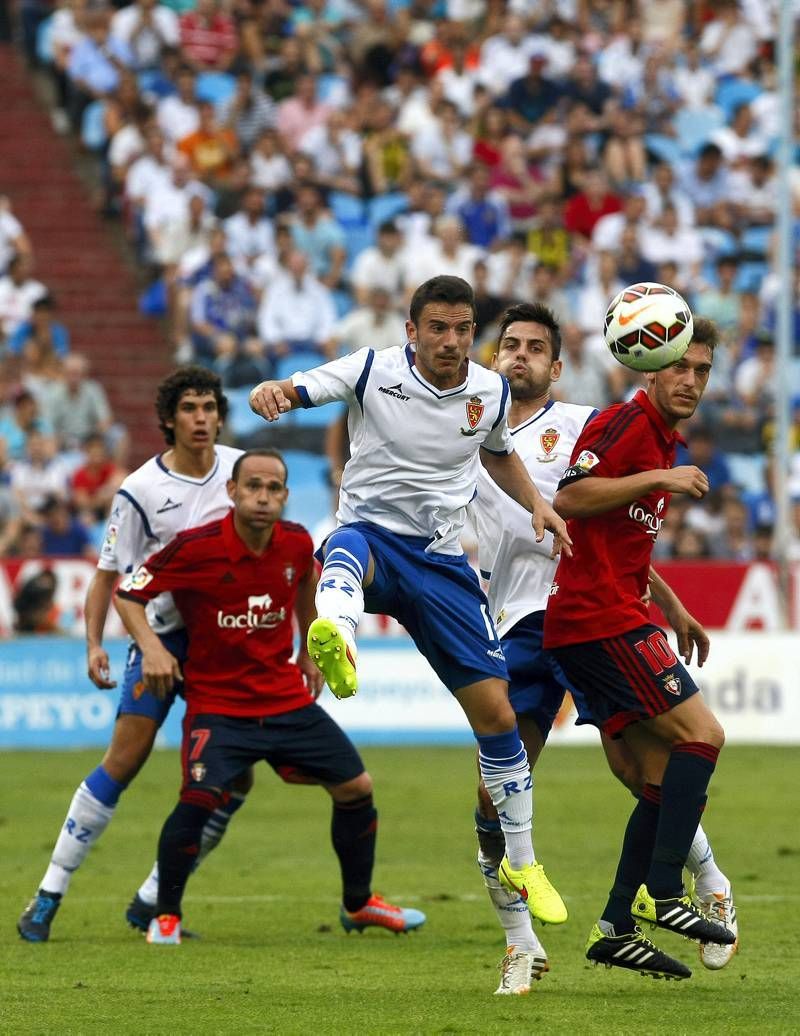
598,591
237,608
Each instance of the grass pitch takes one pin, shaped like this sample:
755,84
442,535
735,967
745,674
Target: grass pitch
273,958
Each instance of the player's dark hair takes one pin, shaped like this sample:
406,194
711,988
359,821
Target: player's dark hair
705,333
535,313
451,290
259,451
189,378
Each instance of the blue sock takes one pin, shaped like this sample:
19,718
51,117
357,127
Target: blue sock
346,548
104,788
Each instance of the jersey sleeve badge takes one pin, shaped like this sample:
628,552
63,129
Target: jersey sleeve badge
586,460
137,580
475,409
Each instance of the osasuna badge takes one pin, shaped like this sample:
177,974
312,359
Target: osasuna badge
548,440
672,684
475,410
198,771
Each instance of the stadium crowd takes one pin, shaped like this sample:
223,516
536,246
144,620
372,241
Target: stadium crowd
289,170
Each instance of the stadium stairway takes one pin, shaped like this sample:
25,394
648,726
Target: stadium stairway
79,258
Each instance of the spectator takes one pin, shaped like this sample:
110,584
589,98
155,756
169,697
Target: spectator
167,202
442,150
722,303
78,405
601,286
64,535
519,183
248,112
380,266
376,325
584,209
319,237
689,545
547,239
727,42
10,520
631,264
270,169
18,292
39,475
504,57
483,212
23,420
177,114
147,28
665,240
212,149
661,192
96,481
741,140
707,185
488,307
532,96
692,80
13,239
34,601
701,451
755,191
95,63
41,331
298,313
222,320
508,269
585,374
445,252
607,233
755,378
624,158
337,152
300,112
209,41
147,173
587,93
249,233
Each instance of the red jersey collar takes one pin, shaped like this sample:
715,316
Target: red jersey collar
669,435
235,545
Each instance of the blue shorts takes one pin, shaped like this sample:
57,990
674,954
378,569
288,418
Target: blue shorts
438,598
134,700
627,678
304,746
537,684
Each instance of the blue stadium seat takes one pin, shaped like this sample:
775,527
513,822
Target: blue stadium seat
309,494
732,92
356,239
666,149
241,419
93,129
755,240
216,87
44,41
747,470
750,276
347,209
286,366
343,301
694,126
385,206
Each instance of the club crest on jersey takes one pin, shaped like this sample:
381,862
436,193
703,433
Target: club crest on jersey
289,574
475,409
548,440
672,684
198,771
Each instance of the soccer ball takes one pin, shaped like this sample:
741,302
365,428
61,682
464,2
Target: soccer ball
648,326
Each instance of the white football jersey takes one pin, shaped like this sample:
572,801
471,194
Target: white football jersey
414,462
150,508
519,569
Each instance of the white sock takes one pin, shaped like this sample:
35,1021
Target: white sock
509,784
701,865
86,820
512,912
340,594
148,890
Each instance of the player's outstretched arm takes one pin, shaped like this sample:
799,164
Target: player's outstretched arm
595,494
305,612
688,630
270,399
98,601
508,471
160,669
